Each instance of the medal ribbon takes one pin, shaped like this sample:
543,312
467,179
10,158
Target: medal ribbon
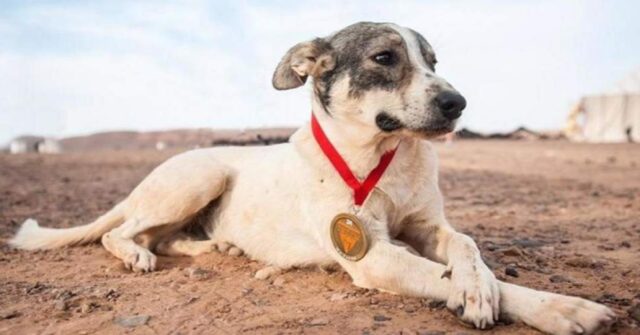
360,190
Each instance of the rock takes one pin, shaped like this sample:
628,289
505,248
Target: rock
511,271
512,251
585,262
197,273
407,331
318,322
410,308
278,282
559,279
381,318
625,244
111,294
87,307
634,312
9,314
131,321
60,305
338,296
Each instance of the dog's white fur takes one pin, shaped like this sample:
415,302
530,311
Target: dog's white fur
276,203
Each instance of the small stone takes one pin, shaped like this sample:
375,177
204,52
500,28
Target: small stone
9,315
381,318
131,321
199,274
625,244
634,312
373,301
338,296
318,322
60,305
513,251
278,282
511,271
407,331
410,309
87,307
559,279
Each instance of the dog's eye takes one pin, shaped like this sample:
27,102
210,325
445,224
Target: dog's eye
384,58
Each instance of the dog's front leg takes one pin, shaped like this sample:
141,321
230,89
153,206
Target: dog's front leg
393,268
549,312
475,295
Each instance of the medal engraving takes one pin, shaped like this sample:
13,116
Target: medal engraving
349,237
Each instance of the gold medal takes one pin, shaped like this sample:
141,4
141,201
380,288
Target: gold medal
349,237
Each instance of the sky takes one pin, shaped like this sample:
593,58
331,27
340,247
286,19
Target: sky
78,67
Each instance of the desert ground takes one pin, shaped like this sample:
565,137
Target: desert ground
547,214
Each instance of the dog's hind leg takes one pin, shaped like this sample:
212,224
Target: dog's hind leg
182,245
167,199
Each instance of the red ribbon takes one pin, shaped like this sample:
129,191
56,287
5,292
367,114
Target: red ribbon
360,190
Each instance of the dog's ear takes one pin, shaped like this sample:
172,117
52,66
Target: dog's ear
312,58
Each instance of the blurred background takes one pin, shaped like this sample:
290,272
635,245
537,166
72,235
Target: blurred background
70,68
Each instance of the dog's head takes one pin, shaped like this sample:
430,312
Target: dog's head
377,74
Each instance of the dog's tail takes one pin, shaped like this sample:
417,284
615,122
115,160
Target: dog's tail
31,236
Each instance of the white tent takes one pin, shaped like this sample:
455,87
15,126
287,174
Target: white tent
613,116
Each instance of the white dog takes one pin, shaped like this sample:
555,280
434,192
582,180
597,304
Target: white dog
376,98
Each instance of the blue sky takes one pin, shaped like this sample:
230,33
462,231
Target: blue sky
77,67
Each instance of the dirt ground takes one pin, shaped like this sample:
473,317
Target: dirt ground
565,217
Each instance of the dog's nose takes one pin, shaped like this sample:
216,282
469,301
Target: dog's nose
450,104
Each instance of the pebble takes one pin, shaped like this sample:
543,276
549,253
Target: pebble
511,271
381,318
278,282
196,273
559,279
87,307
9,315
60,305
410,309
318,322
513,251
585,262
131,321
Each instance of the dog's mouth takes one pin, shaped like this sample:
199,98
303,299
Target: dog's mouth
388,124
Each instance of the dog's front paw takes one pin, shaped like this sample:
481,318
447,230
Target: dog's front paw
474,295
559,314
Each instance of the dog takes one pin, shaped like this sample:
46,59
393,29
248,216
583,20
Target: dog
374,92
